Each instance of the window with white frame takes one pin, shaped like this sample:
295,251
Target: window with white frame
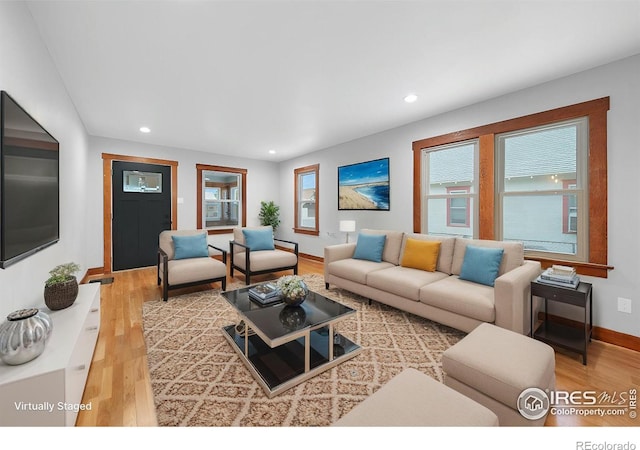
458,212
541,188
569,209
451,187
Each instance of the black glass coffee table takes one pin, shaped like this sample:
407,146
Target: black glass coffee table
284,345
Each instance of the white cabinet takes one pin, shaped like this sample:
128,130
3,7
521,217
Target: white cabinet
48,390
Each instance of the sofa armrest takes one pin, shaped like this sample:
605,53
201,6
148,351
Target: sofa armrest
512,294
336,253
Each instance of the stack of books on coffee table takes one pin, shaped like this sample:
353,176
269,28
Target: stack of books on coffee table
265,293
557,275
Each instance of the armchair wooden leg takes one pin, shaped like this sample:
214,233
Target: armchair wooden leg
165,290
326,285
224,284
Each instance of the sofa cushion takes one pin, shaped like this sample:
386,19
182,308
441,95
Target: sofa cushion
356,270
369,247
266,260
445,255
462,297
420,254
481,264
392,245
512,257
403,281
195,269
259,239
190,246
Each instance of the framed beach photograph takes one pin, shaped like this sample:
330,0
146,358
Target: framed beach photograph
364,185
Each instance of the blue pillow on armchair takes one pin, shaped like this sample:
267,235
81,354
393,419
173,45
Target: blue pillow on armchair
481,264
194,246
370,247
259,239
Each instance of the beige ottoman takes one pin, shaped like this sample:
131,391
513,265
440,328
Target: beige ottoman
493,366
412,398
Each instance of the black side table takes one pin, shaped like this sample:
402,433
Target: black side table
553,333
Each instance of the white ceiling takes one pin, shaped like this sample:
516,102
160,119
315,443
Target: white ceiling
241,77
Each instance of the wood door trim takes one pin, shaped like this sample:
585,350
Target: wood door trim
107,160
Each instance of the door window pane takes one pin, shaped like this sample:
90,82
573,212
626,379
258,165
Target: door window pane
144,182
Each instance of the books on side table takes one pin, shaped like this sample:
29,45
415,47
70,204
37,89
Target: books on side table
265,293
563,276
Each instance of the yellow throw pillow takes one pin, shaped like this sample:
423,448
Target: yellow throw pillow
420,254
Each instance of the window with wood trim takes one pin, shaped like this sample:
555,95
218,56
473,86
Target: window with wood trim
534,166
221,194
306,204
581,205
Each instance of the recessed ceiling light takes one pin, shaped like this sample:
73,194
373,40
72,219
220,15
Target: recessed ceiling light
272,152
411,98
145,129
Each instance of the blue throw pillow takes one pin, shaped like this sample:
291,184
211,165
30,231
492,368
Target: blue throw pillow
194,246
259,239
481,264
370,247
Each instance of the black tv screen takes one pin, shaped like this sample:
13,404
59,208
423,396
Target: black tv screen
29,185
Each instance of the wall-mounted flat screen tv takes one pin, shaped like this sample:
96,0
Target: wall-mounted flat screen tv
29,185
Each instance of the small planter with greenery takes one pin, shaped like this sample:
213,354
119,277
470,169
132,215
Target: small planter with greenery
269,214
61,288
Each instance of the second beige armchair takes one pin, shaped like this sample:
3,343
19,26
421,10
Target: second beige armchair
253,252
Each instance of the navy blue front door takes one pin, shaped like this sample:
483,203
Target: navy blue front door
141,196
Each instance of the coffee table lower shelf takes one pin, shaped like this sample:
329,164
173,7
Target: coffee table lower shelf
280,368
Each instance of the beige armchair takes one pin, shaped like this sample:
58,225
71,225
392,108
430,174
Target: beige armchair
185,259
253,252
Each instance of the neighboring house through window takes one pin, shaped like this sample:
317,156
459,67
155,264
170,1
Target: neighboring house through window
458,210
569,208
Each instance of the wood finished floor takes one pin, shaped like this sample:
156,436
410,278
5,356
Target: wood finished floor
119,388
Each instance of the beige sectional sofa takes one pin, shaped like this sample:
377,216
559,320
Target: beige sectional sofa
441,295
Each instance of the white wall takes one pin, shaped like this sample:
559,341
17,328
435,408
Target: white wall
619,80
262,184
28,74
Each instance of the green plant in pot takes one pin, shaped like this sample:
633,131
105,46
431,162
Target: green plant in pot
61,288
269,214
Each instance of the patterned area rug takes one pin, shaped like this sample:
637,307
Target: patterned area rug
198,380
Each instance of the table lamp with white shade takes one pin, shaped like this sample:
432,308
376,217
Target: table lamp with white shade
347,226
